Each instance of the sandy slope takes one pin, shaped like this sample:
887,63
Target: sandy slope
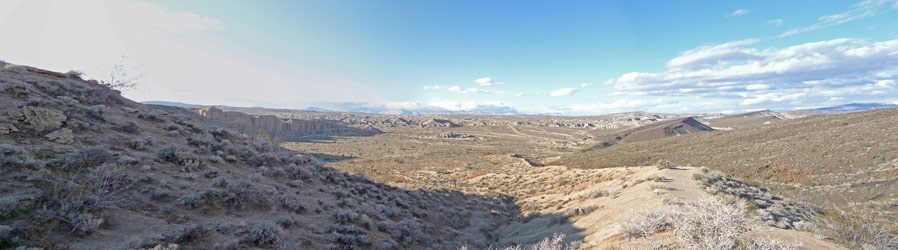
637,191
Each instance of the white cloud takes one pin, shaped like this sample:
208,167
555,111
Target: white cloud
740,12
757,86
711,54
486,81
772,97
813,72
568,91
431,87
459,89
776,22
563,92
614,106
860,10
519,94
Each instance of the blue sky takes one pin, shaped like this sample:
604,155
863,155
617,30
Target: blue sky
572,57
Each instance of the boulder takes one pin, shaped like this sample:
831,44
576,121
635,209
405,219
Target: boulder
44,119
7,129
62,136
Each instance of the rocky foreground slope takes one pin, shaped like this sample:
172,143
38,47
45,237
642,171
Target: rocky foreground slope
84,168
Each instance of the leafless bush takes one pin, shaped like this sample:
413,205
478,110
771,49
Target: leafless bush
596,194
707,224
771,244
73,197
644,224
556,242
86,158
710,224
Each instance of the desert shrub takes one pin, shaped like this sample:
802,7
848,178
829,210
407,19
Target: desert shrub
130,128
770,244
285,220
169,154
666,165
644,224
221,182
348,236
215,159
239,196
578,211
150,117
127,160
710,224
389,245
858,227
457,218
12,156
262,234
16,91
220,134
706,224
383,225
345,216
74,74
556,242
140,143
75,198
264,159
298,173
193,200
188,234
198,142
86,158
596,194
404,231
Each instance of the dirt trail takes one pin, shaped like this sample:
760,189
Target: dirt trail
636,190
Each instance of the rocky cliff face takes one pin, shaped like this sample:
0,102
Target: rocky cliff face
280,128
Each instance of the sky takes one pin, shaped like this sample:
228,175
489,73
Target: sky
533,57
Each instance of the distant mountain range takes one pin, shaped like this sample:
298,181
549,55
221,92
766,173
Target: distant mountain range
852,107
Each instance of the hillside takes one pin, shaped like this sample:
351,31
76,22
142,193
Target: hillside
745,120
84,168
852,156
653,131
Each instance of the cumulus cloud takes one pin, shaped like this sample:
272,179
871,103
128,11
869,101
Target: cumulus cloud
431,87
841,67
740,12
486,81
459,89
614,106
567,91
711,54
563,92
776,22
860,10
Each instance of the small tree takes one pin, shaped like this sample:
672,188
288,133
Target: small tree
123,77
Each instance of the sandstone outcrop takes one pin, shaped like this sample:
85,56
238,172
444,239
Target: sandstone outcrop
62,136
43,119
7,129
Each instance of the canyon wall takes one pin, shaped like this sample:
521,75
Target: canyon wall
281,128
